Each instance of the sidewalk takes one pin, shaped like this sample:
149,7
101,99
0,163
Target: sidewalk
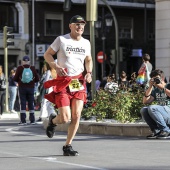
6,115
96,128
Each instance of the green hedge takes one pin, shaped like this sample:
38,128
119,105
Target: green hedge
124,106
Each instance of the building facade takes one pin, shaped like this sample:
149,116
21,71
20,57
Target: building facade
163,36
15,15
38,22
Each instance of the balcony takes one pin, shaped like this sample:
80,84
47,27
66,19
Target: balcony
132,3
135,1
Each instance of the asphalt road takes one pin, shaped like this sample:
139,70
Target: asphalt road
28,148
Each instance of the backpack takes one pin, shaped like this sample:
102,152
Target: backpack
27,75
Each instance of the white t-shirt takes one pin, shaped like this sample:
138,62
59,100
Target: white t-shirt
71,53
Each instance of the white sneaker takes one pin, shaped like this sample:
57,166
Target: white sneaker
13,111
22,124
32,123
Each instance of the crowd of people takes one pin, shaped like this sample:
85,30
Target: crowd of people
112,83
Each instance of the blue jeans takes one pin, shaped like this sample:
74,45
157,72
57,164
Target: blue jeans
26,95
157,117
12,96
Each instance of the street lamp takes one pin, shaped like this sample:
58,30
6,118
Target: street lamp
108,20
91,16
104,23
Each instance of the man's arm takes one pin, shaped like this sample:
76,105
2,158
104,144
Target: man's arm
147,98
36,76
89,67
142,68
48,56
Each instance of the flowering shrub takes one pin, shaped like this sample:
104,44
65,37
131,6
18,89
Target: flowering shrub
124,106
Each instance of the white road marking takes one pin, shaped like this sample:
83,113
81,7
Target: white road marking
78,165
54,160
15,130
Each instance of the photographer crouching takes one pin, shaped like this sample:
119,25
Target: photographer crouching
157,116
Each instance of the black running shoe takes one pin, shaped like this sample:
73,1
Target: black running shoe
68,151
153,135
163,135
51,127
39,120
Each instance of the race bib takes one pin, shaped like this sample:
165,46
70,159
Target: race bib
75,85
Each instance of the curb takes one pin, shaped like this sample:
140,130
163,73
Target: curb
114,129
97,128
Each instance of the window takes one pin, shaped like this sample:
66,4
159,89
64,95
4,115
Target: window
151,29
53,24
125,28
8,17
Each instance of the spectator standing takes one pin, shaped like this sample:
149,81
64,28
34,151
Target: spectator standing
69,96
147,67
2,90
26,89
157,116
12,91
98,82
132,81
41,83
37,94
103,83
123,82
46,106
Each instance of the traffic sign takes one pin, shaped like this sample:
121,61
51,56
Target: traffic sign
100,56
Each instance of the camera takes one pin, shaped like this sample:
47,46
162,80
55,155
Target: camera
157,80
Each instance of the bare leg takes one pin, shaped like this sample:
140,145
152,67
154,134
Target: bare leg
65,115
76,108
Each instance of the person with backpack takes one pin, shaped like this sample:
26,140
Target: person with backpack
26,76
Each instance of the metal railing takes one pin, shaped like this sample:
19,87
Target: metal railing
135,1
